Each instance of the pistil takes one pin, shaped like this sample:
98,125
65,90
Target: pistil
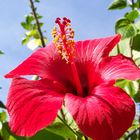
63,40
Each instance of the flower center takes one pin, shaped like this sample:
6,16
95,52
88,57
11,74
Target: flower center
64,42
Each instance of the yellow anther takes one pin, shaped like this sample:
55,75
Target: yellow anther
64,37
59,46
56,39
54,31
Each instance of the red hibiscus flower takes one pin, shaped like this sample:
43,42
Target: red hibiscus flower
80,75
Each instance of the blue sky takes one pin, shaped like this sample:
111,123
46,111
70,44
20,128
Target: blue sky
90,19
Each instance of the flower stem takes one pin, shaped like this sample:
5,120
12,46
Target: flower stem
69,127
37,23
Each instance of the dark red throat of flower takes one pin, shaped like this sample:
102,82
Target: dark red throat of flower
64,42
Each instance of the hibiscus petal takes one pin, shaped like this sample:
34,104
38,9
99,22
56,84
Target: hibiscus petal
46,63
119,67
32,105
105,115
36,64
95,50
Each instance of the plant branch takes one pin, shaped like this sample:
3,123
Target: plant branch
37,23
133,132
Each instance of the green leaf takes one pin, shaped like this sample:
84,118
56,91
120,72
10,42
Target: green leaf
34,43
26,26
136,42
25,40
8,135
46,135
39,16
122,22
41,135
134,137
33,33
124,48
4,133
137,24
41,24
1,52
131,87
126,28
37,0
29,19
117,4
3,116
2,105
61,129
138,4
132,15
127,31
136,56
69,119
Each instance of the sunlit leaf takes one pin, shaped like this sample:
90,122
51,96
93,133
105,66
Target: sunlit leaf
127,31
4,133
69,119
134,14
126,28
26,26
8,135
29,19
131,87
61,129
3,116
117,4
25,40
34,43
122,22
33,33
124,48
